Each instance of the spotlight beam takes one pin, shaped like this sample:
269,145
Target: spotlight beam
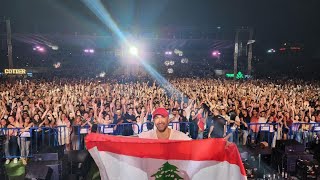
98,9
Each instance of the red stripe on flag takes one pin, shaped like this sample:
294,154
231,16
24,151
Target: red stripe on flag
197,150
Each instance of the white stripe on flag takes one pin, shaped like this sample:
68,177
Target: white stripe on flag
115,166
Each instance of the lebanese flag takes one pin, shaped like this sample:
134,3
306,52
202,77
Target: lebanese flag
136,158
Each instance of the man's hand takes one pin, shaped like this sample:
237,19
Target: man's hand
228,144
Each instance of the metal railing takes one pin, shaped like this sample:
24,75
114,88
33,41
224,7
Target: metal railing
270,132
17,143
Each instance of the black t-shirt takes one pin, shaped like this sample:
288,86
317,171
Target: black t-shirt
75,127
3,130
128,116
116,119
232,115
246,120
36,123
183,119
218,122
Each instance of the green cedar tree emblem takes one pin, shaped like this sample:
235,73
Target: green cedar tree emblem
167,172
239,75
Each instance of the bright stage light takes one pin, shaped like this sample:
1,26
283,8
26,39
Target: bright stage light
39,49
168,53
216,53
55,48
102,74
170,71
57,65
178,52
89,51
133,51
184,60
271,51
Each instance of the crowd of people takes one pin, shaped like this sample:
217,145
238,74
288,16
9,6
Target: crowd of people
71,103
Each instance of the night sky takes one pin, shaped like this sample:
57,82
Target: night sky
275,21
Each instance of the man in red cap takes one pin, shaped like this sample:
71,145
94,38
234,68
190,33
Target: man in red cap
161,121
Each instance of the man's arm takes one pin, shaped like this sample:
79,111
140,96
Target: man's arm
210,131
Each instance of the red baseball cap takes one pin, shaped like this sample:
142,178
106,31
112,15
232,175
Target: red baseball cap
160,111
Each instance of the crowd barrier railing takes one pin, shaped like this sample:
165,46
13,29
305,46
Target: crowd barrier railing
17,143
78,134
123,129
13,145
304,132
42,137
146,126
263,132
270,132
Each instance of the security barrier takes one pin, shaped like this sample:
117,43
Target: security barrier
12,142
42,137
123,129
263,132
305,133
17,143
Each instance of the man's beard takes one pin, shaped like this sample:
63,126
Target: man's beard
161,129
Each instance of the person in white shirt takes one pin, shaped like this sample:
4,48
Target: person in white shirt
174,118
262,117
161,121
264,128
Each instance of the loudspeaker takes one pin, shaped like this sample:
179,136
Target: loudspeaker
52,158
55,167
38,172
288,160
79,162
78,156
315,149
73,177
290,146
59,150
46,157
307,169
